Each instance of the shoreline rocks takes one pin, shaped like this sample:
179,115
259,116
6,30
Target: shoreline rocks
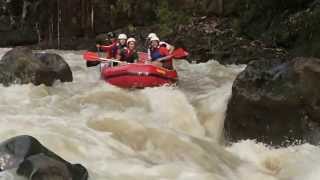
276,102
34,161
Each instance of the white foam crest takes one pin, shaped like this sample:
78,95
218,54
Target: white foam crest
294,162
170,108
166,133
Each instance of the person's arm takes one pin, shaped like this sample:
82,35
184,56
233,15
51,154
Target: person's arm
171,48
118,54
106,48
149,53
167,45
164,53
164,58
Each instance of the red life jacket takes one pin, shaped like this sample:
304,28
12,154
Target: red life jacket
111,49
121,53
160,52
131,56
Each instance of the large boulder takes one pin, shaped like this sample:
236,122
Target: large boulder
56,64
21,66
276,102
36,162
40,166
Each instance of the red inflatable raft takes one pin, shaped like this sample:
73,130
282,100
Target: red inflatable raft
138,76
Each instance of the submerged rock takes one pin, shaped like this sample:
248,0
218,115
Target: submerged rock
36,162
276,102
21,66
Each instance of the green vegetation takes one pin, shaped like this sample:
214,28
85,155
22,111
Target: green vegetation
293,25
169,18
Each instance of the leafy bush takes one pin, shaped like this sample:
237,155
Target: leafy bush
169,19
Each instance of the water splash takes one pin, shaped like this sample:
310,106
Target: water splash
154,134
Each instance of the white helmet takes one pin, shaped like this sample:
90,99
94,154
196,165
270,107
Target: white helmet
122,36
151,35
131,40
155,39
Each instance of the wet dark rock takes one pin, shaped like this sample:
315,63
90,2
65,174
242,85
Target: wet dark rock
56,64
21,66
35,162
276,102
40,166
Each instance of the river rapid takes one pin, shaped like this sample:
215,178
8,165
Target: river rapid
163,133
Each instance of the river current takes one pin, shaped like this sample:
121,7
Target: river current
163,133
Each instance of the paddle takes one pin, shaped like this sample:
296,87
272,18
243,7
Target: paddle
176,54
94,57
94,63
179,53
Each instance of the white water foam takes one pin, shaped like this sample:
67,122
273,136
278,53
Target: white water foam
164,133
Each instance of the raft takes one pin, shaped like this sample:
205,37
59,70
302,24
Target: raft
138,75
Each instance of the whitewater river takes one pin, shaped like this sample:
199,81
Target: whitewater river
165,133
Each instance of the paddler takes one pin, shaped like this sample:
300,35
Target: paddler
159,55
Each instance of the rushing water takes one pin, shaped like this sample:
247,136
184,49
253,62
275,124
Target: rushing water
164,133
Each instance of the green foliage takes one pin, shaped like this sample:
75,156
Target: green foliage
169,19
289,24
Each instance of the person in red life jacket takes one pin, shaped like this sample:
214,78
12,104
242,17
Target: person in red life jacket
112,49
148,39
109,48
121,47
129,53
122,40
160,55
161,43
